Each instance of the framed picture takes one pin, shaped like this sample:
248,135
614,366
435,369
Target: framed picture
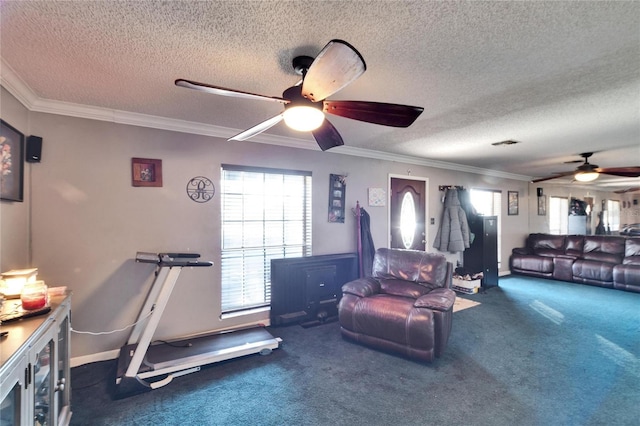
542,205
512,197
146,172
337,189
12,169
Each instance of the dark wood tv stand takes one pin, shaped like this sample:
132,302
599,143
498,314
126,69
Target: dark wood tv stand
306,290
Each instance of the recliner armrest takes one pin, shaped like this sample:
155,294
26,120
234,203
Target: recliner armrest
440,299
362,287
521,250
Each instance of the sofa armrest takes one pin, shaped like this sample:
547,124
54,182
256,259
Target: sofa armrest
362,287
521,250
440,299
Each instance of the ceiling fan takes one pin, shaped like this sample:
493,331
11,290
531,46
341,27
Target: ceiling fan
631,189
588,172
305,104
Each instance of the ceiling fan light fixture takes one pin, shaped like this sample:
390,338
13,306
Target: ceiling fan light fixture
586,176
303,118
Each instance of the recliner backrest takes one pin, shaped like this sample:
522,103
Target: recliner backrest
546,244
604,248
427,269
575,245
632,252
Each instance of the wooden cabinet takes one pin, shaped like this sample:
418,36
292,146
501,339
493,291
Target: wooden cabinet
482,256
35,372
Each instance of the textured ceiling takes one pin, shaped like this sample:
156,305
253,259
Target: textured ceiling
560,77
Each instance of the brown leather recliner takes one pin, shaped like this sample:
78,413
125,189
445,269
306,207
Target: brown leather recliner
405,307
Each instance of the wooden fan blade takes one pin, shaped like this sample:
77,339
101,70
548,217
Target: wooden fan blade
257,129
337,65
375,112
559,175
620,171
207,88
327,136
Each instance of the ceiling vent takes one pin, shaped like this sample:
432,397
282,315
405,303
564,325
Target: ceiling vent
507,142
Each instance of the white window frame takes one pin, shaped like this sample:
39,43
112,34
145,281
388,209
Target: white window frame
558,215
266,214
612,216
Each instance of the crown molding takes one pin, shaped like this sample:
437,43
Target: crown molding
21,91
16,86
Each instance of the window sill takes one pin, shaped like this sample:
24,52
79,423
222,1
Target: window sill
246,312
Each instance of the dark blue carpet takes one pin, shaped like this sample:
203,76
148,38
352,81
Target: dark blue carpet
534,352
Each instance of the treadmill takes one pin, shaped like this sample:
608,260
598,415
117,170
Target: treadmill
143,366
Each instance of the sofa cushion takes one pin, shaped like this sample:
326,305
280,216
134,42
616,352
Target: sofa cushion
402,288
546,241
548,252
546,244
591,271
627,277
532,263
575,245
603,248
632,252
392,318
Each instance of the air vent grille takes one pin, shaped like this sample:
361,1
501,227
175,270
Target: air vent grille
507,142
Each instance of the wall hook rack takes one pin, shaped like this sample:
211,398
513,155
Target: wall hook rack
445,187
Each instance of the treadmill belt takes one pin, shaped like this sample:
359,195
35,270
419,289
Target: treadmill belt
171,352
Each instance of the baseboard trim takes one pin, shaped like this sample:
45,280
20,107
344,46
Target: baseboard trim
100,356
504,273
115,353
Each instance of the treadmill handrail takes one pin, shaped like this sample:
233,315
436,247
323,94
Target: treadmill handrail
174,255
172,263
172,259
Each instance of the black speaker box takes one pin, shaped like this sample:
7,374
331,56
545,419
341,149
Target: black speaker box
540,194
34,149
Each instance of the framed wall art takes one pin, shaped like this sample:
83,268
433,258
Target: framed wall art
12,168
542,205
512,199
337,189
146,172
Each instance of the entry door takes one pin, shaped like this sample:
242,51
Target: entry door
407,213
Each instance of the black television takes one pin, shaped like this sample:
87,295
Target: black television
306,290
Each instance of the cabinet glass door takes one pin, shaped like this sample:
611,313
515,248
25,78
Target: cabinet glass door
62,388
42,386
11,405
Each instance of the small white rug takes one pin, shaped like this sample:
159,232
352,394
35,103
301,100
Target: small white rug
461,304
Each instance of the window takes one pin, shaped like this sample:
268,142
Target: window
558,215
266,214
488,203
612,215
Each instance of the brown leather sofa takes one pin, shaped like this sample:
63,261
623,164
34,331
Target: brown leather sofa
405,307
605,261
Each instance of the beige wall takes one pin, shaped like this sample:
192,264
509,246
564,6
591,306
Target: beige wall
88,222
541,223
14,216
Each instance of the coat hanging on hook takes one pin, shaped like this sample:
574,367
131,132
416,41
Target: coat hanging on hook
453,234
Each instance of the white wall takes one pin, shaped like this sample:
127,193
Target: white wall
89,222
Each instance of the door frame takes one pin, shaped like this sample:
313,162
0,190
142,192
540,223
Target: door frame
426,205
